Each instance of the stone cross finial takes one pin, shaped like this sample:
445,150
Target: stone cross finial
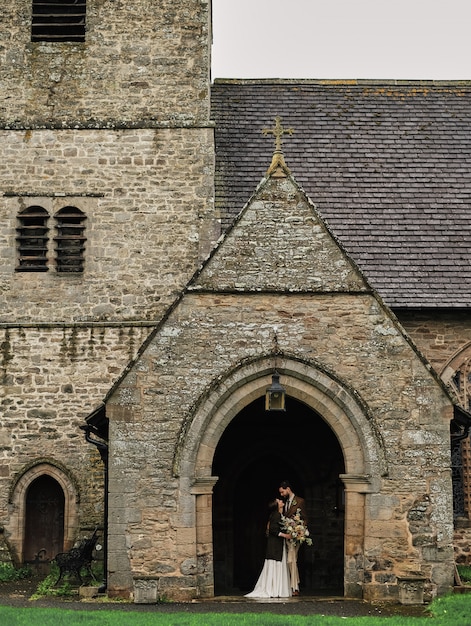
278,167
277,132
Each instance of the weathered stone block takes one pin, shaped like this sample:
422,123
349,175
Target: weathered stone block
146,590
411,589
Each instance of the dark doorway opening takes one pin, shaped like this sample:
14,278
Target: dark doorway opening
257,451
44,520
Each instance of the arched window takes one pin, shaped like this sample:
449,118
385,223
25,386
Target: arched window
32,237
58,20
70,239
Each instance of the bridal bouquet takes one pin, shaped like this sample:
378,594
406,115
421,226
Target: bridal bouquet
296,528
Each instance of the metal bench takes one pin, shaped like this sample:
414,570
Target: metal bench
78,558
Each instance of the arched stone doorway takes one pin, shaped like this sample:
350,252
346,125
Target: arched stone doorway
31,494
44,520
257,451
342,410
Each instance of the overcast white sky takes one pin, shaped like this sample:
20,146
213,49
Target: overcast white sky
391,39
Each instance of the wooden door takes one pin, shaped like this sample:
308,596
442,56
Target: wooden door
44,523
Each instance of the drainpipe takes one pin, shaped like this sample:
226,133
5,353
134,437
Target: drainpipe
103,450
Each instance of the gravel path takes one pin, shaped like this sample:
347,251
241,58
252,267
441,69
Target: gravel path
19,593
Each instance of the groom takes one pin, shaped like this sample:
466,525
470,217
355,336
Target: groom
292,504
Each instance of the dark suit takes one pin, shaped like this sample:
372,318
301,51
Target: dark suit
297,503
274,542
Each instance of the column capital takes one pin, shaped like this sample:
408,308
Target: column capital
359,483
203,485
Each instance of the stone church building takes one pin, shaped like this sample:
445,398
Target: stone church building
170,245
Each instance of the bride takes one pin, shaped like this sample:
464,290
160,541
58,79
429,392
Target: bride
273,581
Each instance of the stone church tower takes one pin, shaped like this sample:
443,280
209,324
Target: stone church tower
106,183
126,322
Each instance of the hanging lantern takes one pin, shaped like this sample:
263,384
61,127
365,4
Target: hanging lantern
275,395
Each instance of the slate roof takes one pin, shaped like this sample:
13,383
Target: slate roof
388,165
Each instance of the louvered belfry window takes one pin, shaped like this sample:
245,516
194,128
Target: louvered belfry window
70,240
58,20
31,239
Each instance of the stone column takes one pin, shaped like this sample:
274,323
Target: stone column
356,486
202,489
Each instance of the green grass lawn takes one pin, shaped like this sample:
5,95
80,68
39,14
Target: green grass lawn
453,610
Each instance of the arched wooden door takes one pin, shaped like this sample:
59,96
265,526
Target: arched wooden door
44,520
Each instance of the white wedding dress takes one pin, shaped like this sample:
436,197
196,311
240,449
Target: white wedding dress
273,581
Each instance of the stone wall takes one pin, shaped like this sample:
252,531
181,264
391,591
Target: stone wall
445,340
51,379
462,543
439,335
147,195
141,61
